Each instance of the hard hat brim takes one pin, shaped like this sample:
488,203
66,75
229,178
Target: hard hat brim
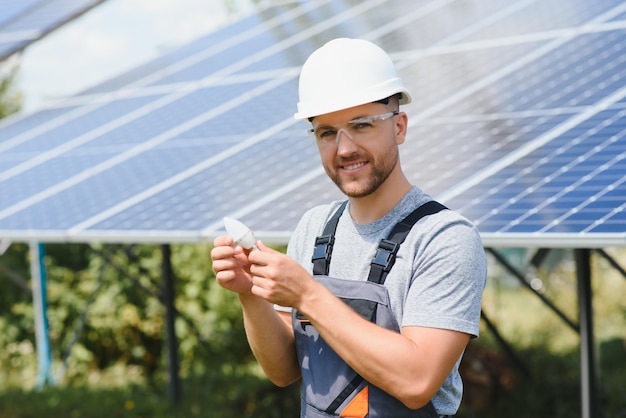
310,110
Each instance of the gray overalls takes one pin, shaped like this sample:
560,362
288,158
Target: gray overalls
330,388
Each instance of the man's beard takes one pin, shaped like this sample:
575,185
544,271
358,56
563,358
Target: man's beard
367,186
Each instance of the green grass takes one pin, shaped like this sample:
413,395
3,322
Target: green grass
200,398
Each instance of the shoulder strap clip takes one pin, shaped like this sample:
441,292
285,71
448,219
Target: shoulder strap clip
388,248
324,244
323,247
386,254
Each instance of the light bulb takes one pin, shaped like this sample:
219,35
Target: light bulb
241,233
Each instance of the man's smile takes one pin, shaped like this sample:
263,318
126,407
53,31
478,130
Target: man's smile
353,166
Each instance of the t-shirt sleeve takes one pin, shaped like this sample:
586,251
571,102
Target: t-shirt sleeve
449,278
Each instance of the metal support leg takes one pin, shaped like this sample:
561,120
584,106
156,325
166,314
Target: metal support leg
170,317
589,385
38,283
612,262
517,274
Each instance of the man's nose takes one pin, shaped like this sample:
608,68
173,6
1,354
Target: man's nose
338,137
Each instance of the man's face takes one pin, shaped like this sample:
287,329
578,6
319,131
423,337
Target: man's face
359,152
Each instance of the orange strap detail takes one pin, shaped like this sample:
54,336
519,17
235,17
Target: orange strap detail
359,406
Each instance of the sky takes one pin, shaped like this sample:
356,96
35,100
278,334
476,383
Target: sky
113,37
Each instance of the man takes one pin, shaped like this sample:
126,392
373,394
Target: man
401,359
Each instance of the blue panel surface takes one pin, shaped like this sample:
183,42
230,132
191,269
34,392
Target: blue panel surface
228,184
12,127
23,22
11,9
67,127
560,187
518,121
545,15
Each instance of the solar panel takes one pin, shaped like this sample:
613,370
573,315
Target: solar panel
575,184
23,22
518,123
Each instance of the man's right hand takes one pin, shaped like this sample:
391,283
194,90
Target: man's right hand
231,265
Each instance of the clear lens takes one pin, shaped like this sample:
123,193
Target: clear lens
355,129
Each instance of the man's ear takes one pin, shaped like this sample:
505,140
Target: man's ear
400,127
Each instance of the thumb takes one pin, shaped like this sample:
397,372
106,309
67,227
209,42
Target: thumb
264,248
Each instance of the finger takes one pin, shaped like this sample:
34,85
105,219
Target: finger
261,281
262,286
227,279
256,269
222,252
224,265
225,240
258,257
224,276
263,255
260,292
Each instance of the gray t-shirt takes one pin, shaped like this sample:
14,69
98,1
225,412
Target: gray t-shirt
438,277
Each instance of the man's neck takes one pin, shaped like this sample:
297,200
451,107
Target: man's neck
372,207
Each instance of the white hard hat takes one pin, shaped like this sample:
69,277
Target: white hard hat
345,73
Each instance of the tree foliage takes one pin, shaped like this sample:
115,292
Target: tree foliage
107,323
10,96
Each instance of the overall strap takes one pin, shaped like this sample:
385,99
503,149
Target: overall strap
324,243
388,248
380,266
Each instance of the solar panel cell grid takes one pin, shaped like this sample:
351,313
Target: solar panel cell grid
10,9
433,165
547,15
222,60
176,57
551,81
14,131
71,129
619,17
109,187
454,80
455,24
26,21
6,48
564,178
210,53
517,122
228,184
283,214
43,177
46,13
243,53
251,116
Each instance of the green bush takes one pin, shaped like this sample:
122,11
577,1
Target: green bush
106,320
107,335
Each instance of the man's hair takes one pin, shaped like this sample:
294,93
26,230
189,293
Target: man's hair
384,101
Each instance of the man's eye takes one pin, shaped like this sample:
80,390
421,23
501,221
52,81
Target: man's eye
326,134
361,125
